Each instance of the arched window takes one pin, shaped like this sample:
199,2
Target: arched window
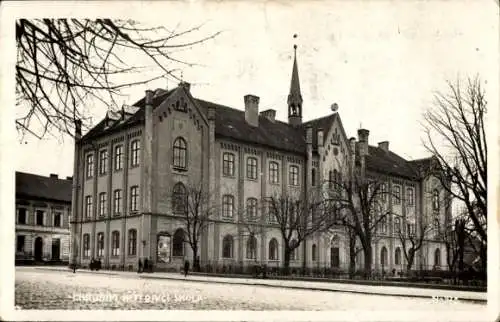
313,177
409,196
180,153
397,256
273,249
179,198
252,209
383,256
132,242
314,252
293,176
115,243
178,243
86,245
437,257
251,247
227,247
435,200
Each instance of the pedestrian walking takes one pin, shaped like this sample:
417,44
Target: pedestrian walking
139,266
186,268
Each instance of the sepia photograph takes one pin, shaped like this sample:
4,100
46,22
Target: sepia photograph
249,160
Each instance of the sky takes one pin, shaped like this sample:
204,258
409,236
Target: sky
380,61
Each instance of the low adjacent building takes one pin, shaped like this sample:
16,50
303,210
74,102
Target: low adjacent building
43,210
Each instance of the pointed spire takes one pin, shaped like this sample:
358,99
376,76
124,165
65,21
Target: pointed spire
295,96
295,83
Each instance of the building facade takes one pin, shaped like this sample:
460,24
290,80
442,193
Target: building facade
129,165
43,211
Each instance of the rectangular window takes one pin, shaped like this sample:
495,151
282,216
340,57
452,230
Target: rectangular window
409,196
252,168
102,204
132,242
252,209
88,207
134,198
383,192
227,206
274,172
115,243
294,175
86,245
39,217
118,157
20,243
135,147
57,219
117,201
271,213
103,162
90,165
397,195
21,216
228,164
100,244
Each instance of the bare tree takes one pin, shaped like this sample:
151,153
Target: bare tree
64,63
361,202
297,218
455,135
412,238
192,205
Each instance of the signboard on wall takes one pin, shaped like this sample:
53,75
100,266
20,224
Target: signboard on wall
163,249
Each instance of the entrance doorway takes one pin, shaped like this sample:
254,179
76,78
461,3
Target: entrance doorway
56,249
38,249
334,257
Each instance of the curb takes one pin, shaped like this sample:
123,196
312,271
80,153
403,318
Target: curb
479,301
310,288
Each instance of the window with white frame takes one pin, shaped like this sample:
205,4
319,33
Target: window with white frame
252,209
89,164
117,201
397,194
228,164
102,204
86,245
115,243
410,196
294,175
134,198
88,207
100,244
103,162
252,168
118,157
135,148
227,206
274,172
132,242
180,153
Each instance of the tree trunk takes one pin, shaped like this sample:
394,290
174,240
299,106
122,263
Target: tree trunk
411,257
287,261
196,264
368,262
352,255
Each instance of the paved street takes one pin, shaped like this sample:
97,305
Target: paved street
52,289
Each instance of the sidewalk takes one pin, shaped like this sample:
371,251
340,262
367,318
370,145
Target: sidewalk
440,294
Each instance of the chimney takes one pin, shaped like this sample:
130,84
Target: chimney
384,145
320,137
309,135
352,144
78,129
252,109
185,85
363,140
270,114
54,176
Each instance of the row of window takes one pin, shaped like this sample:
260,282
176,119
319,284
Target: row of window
397,256
251,248
135,147
115,244
22,217
117,202
228,169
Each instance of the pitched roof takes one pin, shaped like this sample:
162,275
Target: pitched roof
231,123
324,123
389,162
423,166
39,187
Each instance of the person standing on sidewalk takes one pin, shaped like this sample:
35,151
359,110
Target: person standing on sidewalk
186,268
139,267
